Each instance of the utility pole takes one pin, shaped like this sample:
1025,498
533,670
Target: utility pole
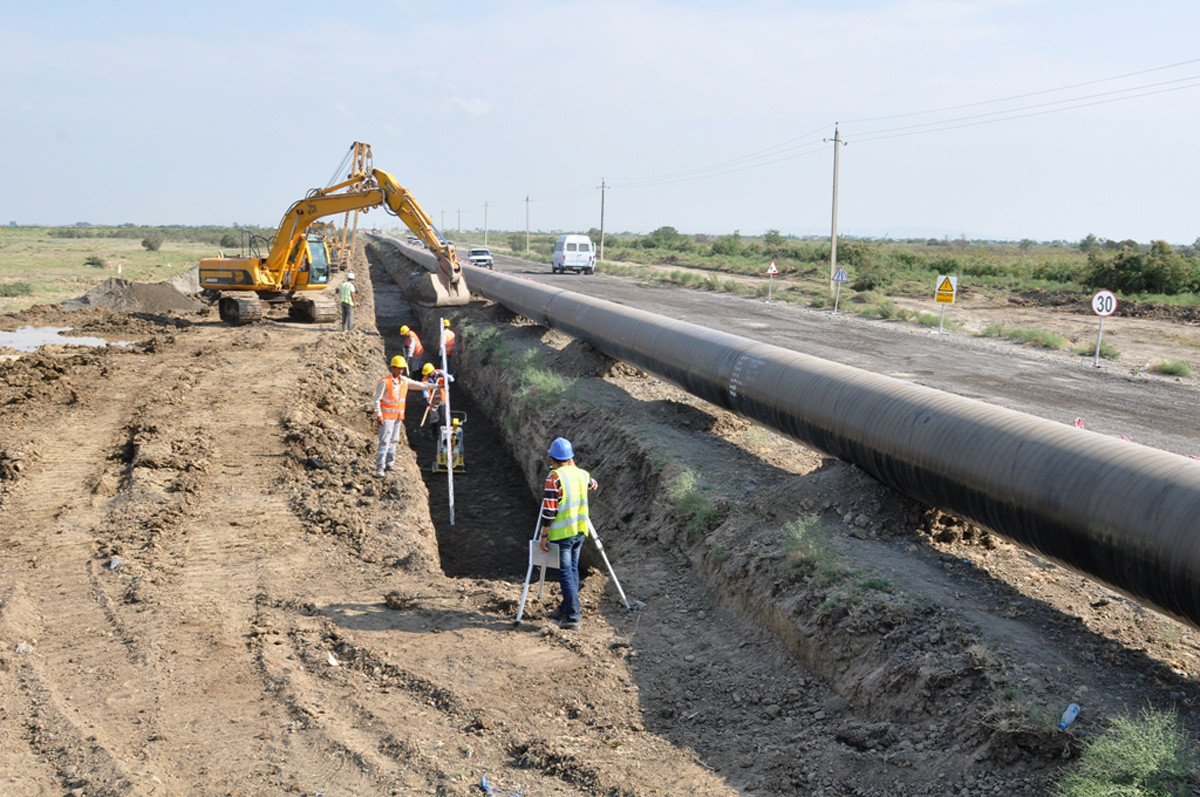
485,230
527,222
837,145
602,187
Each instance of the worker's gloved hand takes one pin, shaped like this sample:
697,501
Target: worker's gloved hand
450,377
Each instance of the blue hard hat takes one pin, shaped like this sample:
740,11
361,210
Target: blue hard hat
561,449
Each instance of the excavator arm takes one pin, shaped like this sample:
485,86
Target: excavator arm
400,202
285,267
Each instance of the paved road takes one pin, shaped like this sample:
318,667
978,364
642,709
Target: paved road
1155,411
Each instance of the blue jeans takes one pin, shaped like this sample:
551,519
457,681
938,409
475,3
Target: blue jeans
568,576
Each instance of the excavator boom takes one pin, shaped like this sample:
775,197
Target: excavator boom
297,264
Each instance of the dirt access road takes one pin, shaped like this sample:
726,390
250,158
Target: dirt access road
204,589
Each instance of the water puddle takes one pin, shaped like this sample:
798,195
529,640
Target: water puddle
31,338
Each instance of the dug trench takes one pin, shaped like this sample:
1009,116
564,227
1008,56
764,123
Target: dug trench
805,629
208,590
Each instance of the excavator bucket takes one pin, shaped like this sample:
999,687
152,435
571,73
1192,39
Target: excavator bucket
440,293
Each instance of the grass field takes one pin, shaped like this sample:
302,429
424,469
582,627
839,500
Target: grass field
42,269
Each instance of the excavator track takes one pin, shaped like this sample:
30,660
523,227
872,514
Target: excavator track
318,309
239,309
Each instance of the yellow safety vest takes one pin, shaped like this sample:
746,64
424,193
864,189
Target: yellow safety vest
572,517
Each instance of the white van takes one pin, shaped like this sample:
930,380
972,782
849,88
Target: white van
575,253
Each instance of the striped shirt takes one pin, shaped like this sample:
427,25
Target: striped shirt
552,495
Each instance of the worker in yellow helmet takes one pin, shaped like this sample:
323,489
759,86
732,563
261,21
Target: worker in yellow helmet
413,350
391,395
434,386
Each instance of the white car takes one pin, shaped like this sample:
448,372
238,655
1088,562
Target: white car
480,257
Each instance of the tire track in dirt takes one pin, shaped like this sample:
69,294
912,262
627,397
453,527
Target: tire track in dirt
72,727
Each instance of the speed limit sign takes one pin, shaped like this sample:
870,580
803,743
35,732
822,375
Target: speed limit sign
1104,303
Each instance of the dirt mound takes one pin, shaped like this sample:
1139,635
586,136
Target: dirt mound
1126,308
135,297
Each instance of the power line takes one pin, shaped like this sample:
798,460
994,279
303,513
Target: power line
1027,94
1030,110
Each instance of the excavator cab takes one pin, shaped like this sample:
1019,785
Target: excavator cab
318,267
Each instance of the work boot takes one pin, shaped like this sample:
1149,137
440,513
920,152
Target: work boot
573,625
557,614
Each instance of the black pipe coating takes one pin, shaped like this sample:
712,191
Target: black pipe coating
1122,513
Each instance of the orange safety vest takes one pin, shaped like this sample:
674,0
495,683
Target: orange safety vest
449,341
435,394
395,395
415,342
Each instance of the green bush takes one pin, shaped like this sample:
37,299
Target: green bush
1144,757
728,245
535,384
152,242
1160,270
1030,337
1171,367
1107,351
20,288
688,499
806,543
95,261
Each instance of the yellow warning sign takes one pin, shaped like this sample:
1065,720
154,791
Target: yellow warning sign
946,288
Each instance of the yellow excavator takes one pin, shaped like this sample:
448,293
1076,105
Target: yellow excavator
296,270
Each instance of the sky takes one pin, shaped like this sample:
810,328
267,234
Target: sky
993,119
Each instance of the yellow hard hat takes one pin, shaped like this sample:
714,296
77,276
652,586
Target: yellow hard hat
454,421
404,330
398,362
426,369
445,322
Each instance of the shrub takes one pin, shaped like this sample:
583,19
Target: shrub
728,245
1145,756
95,261
20,288
152,242
688,499
1107,351
1170,367
1030,337
535,384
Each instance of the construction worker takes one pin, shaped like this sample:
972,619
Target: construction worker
413,349
564,520
434,388
346,295
391,395
448,338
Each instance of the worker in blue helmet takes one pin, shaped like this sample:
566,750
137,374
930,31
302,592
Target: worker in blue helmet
564,520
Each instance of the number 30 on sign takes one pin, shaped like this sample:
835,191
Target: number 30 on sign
1104,303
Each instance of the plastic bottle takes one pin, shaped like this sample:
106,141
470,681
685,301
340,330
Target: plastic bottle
1069,715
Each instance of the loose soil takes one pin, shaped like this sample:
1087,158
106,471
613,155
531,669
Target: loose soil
205,590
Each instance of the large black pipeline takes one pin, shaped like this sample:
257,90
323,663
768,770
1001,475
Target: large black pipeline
1125,514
